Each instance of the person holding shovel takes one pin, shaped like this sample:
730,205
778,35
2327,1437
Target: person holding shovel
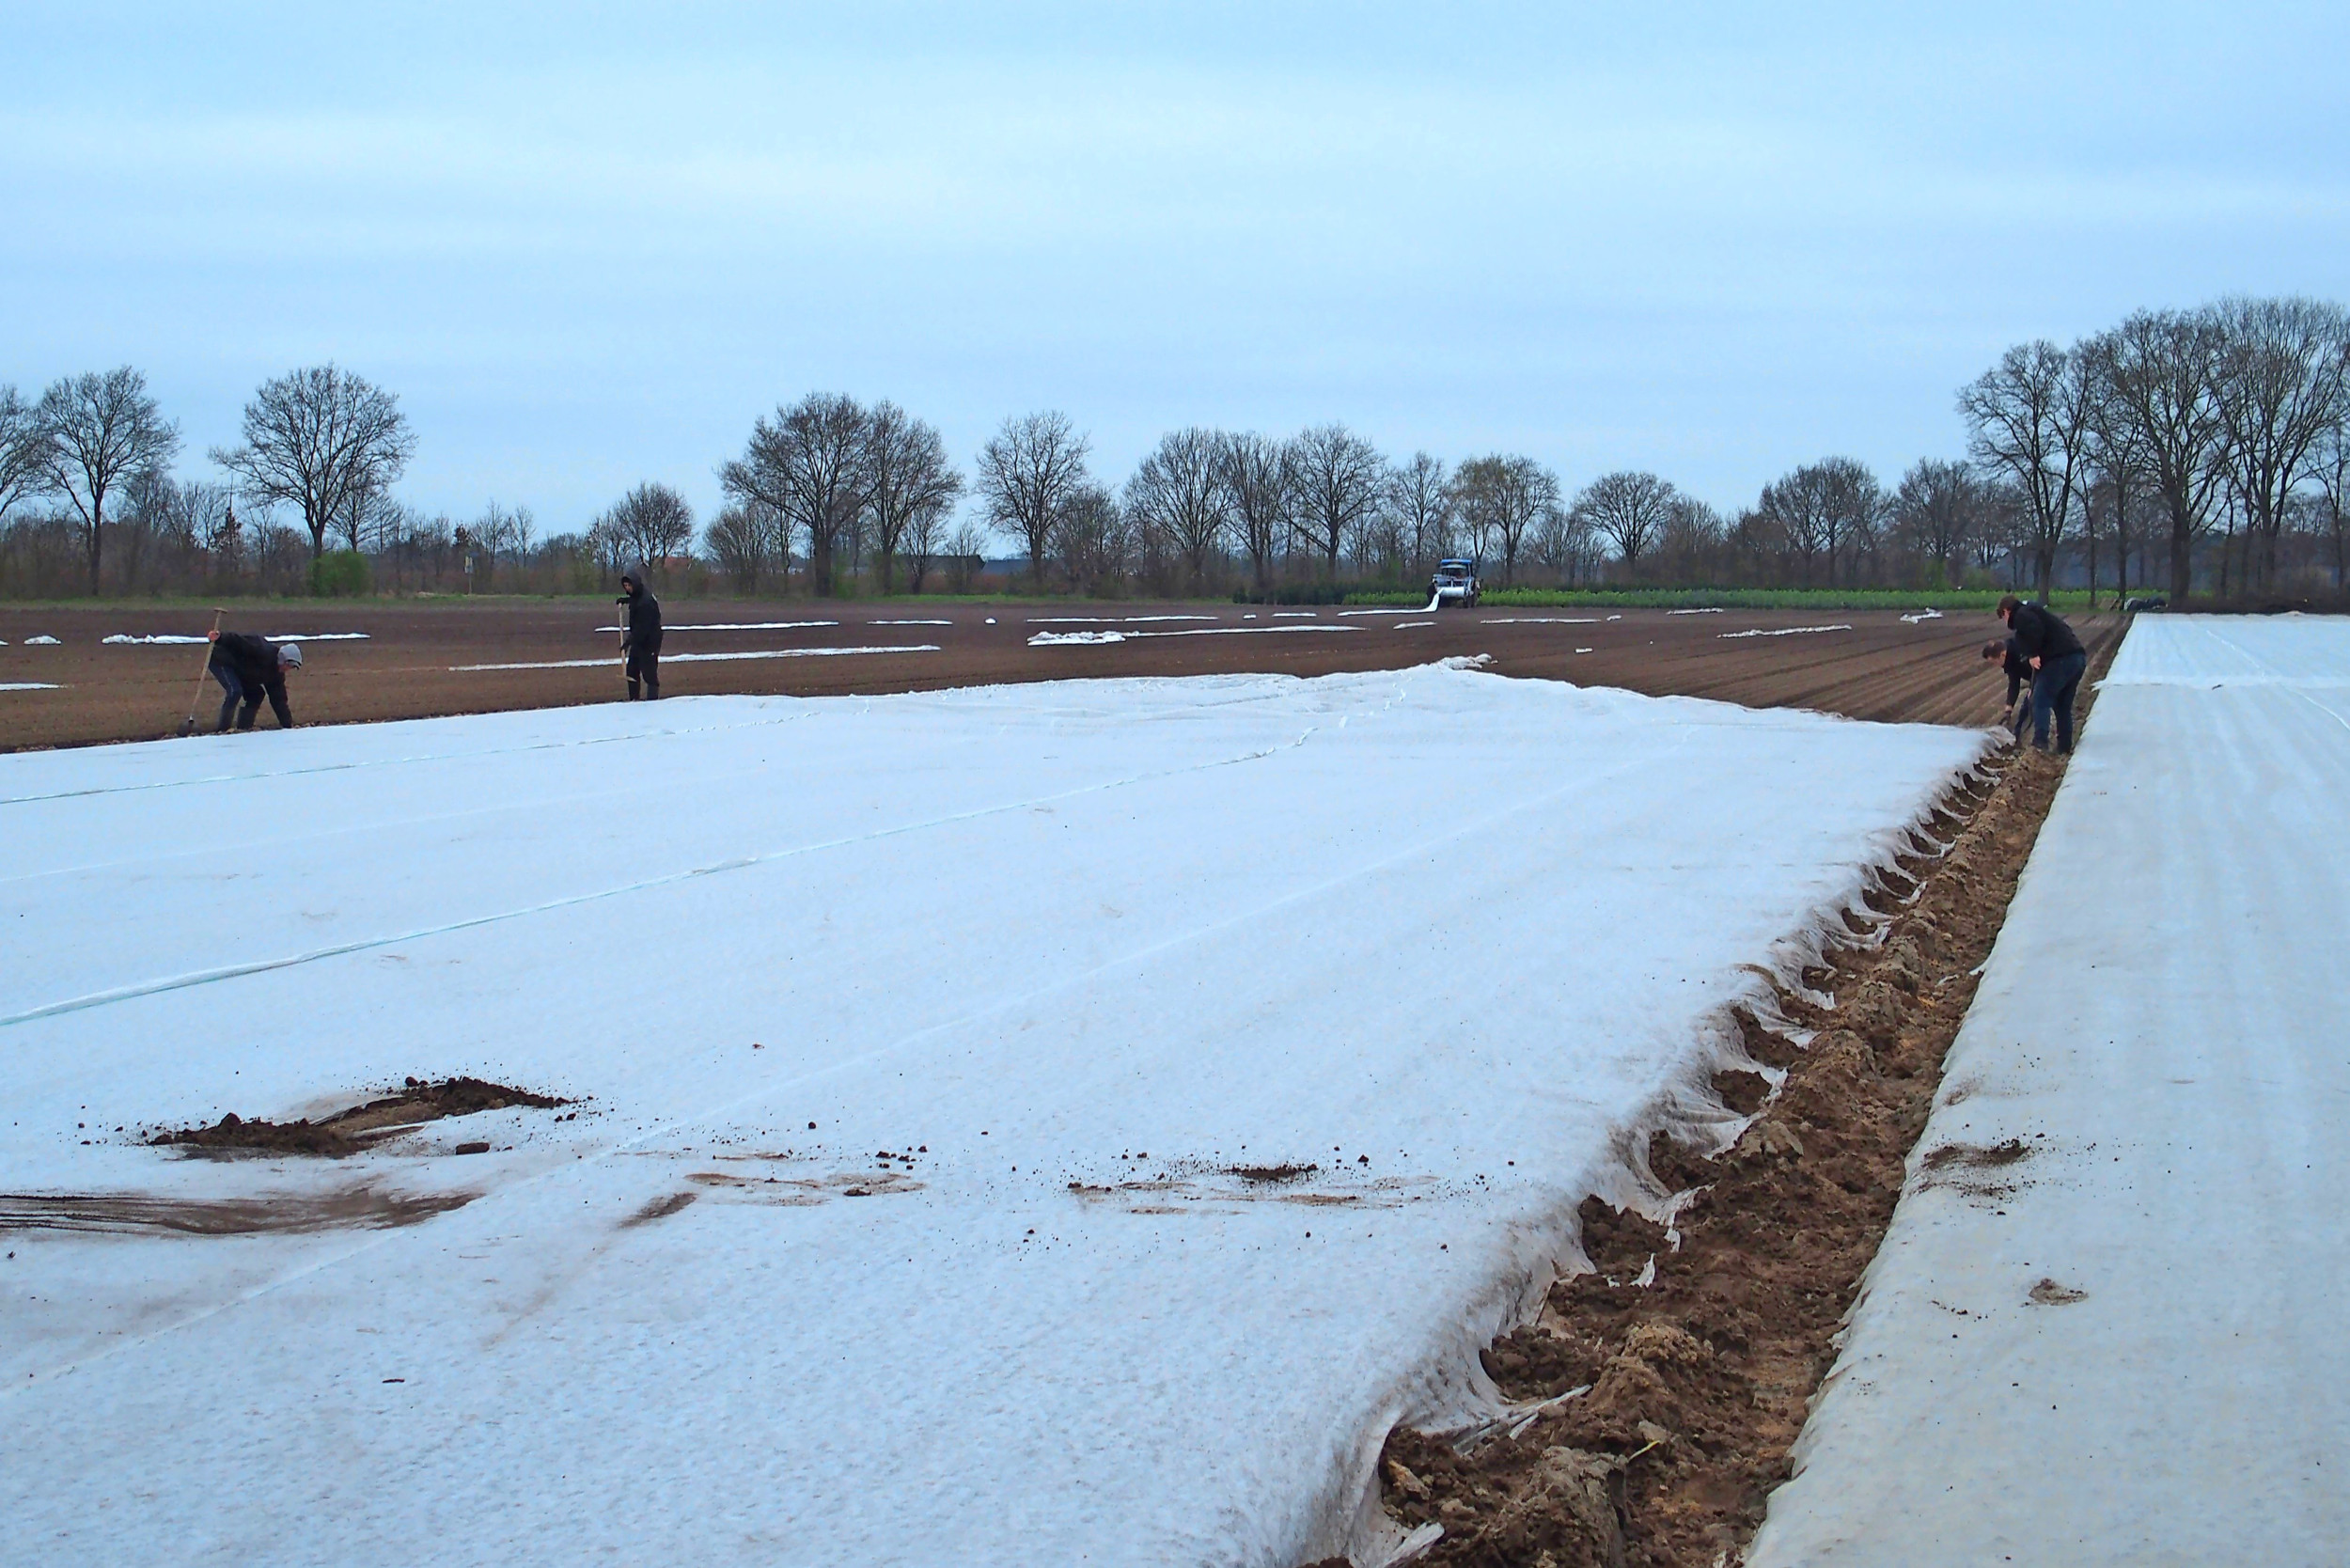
249,669
640,633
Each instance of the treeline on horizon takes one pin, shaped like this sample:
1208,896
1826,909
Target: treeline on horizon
2202,450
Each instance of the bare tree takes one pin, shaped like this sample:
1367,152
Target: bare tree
742,541
966,547
22,445
1689,548
1179,500
1817,510
912,484
2332,470
2280,386
749,538
1562,542
926,539
1029,475
2027,420
1419,498
206,516
1260,478
1502,500
1093,539
96,431
321,440
1934,512
2160,368
506,531
1382,541
1759,545
651,523
2117,453
1337,476
1629,510
812,464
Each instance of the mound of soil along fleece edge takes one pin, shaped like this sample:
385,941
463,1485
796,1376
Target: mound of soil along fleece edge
1697,1383
350,1131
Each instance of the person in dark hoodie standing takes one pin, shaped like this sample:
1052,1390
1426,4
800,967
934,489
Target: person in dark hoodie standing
640,633
2058,661
248,670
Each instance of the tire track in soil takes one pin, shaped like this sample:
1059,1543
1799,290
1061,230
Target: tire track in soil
1694,1386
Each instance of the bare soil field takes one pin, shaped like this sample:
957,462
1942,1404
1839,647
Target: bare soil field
422,660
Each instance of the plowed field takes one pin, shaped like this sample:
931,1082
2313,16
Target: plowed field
422,660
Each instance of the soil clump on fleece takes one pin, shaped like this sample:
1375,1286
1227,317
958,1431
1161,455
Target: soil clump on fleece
359,1128
1695,1383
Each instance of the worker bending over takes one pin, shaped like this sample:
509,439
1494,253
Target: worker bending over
2013,714
2058,661
249,669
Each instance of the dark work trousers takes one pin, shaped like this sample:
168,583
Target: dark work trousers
644,663
242,690
2053,687
235,687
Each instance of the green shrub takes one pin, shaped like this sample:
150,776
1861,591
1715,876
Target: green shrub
339,574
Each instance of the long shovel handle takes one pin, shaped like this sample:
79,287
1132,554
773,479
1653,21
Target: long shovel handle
195,698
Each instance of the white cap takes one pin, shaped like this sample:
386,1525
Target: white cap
289,655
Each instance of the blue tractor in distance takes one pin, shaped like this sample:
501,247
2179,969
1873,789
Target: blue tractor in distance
1455,583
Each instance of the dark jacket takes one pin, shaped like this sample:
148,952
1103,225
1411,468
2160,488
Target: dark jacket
254,661
2037,633
644,618
2018,670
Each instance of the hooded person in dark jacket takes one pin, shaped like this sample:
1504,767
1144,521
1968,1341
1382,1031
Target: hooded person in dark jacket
2058,661
249,669
640,633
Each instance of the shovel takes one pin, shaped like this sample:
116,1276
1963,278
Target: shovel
196,700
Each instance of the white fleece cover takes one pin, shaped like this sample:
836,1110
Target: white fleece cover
1451,940
2127,1346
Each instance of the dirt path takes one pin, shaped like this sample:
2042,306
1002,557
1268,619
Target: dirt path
418,661
1684,1390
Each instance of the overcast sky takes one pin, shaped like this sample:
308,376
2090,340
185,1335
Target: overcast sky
588,245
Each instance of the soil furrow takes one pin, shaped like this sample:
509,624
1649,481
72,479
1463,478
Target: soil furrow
1689,1357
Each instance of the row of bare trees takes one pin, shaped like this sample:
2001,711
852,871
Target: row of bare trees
844,479
321,440
2233,419
2204,447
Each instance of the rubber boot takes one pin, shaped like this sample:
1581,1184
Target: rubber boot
653,691
631,688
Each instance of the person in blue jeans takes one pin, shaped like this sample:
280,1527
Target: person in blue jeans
2058,661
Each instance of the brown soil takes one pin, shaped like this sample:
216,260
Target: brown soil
660,1208
360,1127
360,1207
1882,668
1270,1172
1682,1396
